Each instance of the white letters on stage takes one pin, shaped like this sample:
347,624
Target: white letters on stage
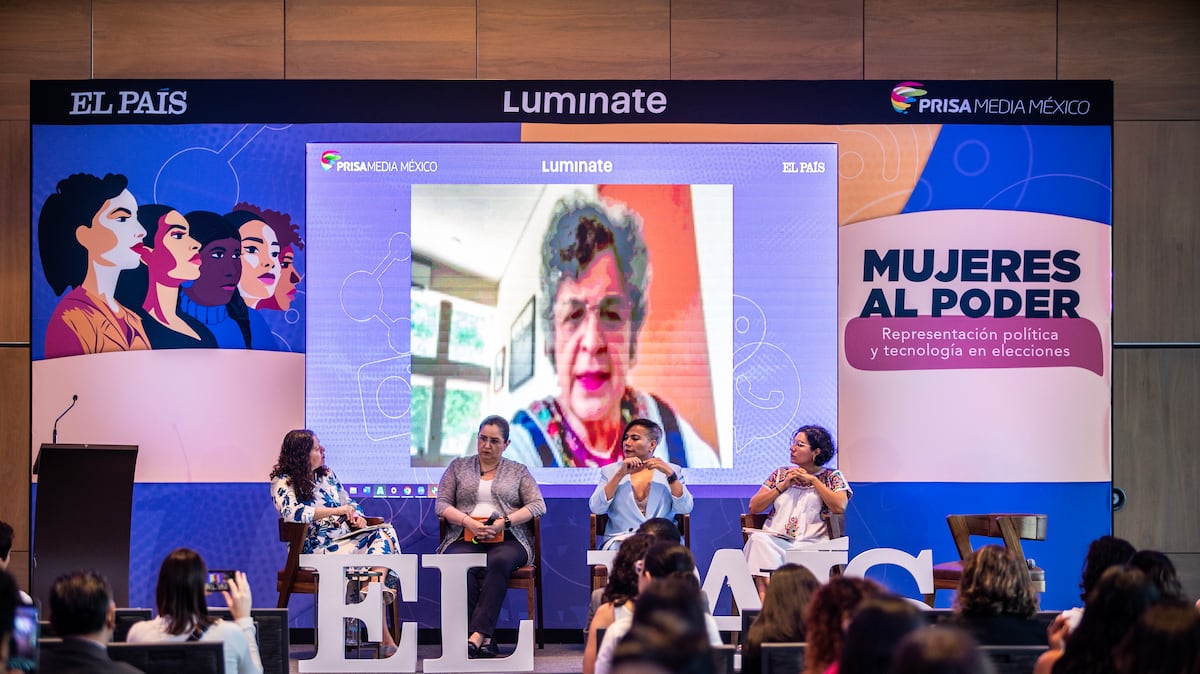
727,567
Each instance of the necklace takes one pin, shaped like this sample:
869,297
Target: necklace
484,471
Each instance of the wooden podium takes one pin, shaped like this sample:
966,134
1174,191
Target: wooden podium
82,515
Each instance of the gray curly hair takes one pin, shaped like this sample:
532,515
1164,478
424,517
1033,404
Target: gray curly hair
581,228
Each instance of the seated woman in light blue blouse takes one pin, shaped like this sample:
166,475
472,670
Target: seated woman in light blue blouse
306,490
640,487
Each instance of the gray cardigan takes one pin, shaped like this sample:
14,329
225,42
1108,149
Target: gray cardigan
512,488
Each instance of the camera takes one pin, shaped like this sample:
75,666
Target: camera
218,580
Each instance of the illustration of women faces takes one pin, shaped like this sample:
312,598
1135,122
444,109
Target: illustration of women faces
220,259
260,262
285,287
88,233
172,257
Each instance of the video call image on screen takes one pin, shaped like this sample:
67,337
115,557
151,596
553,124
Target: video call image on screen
569,288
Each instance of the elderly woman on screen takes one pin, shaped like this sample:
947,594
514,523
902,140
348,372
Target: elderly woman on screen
489,503
595,280
802,495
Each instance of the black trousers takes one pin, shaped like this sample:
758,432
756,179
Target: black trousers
487,585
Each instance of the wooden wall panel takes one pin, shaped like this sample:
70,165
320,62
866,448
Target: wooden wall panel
959,39
766,39
1150,49
1156,241
381,39
14,452
185,38
586,39
41,40
1188,568
1155,427
14,223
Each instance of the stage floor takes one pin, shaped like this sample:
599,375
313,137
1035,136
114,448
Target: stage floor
553,659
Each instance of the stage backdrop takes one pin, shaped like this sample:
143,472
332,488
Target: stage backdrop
922,267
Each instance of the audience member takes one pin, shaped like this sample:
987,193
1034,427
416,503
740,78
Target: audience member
183,612
669,628
1104,552
9,598
826,618
662,560
782,617
1115,604
1165,640
661,529
617,597
874,632
940,650
1161,571
6,542
996,601
83,613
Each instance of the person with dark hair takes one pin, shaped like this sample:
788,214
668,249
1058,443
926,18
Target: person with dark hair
1119,598
618,596
940,650
183,612
662,528
88,233
306,490
1102,553
488,499
659,528
290,243
1165,640
595,279
83,613
1161,571
663,560
6,543
260,260
996,601
640,487
668,629
875,630
9,600
828,613
802,496
210,298
172,258
782,617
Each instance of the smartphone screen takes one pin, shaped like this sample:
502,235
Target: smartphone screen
218,580
23,649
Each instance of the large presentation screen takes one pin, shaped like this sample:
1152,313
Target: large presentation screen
569,288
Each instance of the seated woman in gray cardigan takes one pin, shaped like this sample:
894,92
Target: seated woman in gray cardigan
489,498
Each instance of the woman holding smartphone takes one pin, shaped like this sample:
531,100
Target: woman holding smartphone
183,612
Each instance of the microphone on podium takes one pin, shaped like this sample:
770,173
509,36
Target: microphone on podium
54,433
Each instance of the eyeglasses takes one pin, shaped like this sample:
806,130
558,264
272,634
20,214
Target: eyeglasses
490,441
612,313
800,444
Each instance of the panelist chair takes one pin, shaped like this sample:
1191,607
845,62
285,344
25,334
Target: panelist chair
598,523
835,521
1010,528
293,578
527,578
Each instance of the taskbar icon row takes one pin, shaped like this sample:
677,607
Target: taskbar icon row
393,490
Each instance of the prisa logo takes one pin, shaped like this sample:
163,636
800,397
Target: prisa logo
905,94
328,157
